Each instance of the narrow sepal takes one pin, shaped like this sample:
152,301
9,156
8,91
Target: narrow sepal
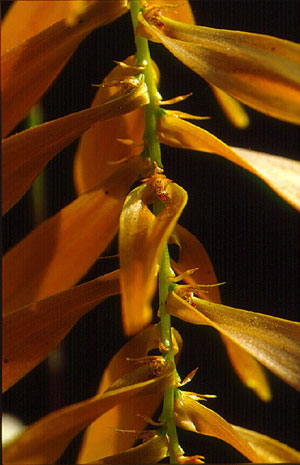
30,333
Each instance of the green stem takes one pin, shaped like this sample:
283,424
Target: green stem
38,189
153,151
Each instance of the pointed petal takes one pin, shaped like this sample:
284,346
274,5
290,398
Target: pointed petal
274,342
191,255
249,370
281,174
234,110
44,441
191,415
55,255
151,451
44,55
26,153
92,160
30,333
268,449
176,132
141,239
24,20
100,439
259,70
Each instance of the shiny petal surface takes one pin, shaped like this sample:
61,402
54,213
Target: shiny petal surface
44,441
92,161
192,254
141,238
268,449
259,70
151,451
193,416
100,439
30,333
274,342
55,255
25,20
25,154
281,174
44,55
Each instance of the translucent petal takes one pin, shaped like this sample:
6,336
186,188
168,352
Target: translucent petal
141,239
268,449
45,440
191,415
151,451
234,110
44,55
24,20
101,439
55,255
92,161
281,174
259,70
192,254
30,333
26,153
274,342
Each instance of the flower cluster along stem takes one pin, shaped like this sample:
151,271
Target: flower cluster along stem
153,151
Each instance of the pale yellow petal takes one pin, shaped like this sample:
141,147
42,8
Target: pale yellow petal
141,239
274,342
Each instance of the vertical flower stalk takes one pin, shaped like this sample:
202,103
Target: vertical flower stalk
152,149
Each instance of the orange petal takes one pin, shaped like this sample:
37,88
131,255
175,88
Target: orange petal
141,239
26,153
58,253
192,254
92,160
44,441
30,333
268,449
281,174
24,20
100,438
176,132
151,451
249,370
259,70
234,111
191,415
44,55
274,342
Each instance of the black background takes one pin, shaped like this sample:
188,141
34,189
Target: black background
251,235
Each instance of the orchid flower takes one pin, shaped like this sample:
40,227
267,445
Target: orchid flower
122,188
